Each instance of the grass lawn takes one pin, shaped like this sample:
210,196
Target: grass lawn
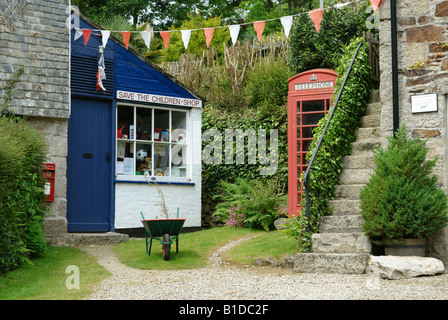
46,278
269,244
194,249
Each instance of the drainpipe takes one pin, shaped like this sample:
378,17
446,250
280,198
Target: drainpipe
393,22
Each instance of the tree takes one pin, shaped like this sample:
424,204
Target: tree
402,199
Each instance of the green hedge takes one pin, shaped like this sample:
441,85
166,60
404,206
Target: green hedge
340,134
22,153
309,49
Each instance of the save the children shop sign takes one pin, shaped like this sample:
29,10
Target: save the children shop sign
152,98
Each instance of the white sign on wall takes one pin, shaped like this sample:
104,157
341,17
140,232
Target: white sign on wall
152,98
424,103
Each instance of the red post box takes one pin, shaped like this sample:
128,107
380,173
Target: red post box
309,99
48,173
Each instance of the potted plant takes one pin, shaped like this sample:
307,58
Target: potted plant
401,201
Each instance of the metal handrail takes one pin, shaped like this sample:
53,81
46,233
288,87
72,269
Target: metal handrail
306,181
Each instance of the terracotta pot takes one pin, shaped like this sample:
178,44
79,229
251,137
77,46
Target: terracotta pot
410,247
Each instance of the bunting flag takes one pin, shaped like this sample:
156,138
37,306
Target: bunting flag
209,35
166,38
259,27
86,34
234,31
105,36
78,33
316,17
286,23
101,74
126,35
186,34
375,4
146,35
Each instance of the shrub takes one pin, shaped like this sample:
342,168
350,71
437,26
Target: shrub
295,227
258,201
401,199
309,49
22,152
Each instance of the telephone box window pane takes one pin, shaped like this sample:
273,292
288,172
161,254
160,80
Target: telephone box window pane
305,145
313,118
307,132
314,105
144,123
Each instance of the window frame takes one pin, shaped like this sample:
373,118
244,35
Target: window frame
187,148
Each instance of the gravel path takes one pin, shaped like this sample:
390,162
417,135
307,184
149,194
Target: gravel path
223,281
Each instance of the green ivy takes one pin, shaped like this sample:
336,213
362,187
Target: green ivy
220,120
340,134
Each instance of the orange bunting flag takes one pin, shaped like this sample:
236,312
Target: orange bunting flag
126,35
259,27
166,38
86,34
316,17
209,35
375,4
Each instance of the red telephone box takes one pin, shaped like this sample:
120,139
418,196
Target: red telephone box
309,100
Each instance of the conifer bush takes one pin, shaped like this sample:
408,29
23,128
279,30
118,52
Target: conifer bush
401,199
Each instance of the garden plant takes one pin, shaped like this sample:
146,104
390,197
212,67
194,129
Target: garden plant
401,199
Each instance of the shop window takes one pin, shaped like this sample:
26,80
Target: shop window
151,142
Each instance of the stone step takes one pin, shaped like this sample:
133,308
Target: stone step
345,206
368,133
364,161
341,223
347,191
355,176
370,121
375,96
348,263
373,108
365,146
106,238
341,242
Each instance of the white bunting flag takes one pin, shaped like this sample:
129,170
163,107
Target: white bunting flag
286,23
146,35
105,34
186,34
78,33
234,31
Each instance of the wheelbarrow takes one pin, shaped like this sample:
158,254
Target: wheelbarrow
166,231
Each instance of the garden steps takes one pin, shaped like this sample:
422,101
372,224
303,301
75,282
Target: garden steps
341,246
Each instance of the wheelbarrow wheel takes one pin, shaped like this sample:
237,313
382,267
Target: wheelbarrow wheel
166,247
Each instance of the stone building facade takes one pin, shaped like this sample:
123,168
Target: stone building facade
34,34
422,46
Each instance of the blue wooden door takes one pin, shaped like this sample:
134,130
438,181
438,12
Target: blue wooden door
89,166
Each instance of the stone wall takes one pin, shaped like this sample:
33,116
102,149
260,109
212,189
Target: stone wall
423,69
33,33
